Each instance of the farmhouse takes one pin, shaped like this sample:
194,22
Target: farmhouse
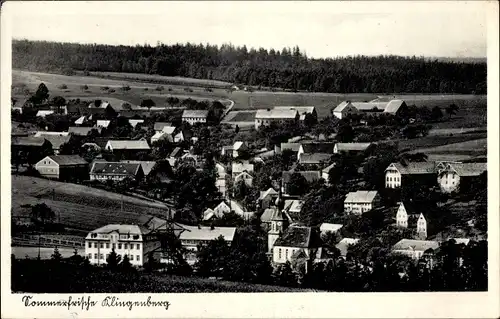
314,159
123,239
325,172
115,171
147,166
393,107
192,236
396,172
63,167
266,117
267,198
458,176
195,116
315,148
81,120
302,110
32,147
134,122
361,201
167,133
183,135
351,147
414,248
244,177
411,216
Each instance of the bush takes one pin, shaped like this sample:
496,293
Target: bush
84,87
159,88
125,88
62,87
146,89
170,89
111,91
188,89
104,88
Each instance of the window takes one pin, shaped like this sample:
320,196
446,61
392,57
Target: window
95,256
101,245
89,256
131,257
138,246
90,244
101,256
95,245
126,246
119,246
137,258
107,256
279,253
107,245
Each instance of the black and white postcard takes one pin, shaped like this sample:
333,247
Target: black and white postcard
250,159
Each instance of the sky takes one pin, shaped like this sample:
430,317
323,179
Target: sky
321,29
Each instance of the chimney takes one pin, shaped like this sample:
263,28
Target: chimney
212,227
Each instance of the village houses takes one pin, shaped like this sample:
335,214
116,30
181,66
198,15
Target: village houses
454,176
195,116
235,150
414,248
63,168
393,107
268,116
115,171
411,216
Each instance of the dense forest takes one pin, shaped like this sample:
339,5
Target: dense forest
288,68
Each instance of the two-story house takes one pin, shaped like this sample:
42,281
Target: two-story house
361,201
195,116
268,116
414,248
396,173
63,167
454,177
115,171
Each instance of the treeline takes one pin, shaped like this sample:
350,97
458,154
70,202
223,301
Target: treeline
289,68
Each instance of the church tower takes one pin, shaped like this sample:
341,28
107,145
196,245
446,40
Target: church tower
278,222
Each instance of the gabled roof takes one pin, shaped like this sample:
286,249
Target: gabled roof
237,145
158,126
290,146
269,192
276,114
326,148
467,169
49,133
68,160
415,245
103,105
158,135
267,215
134,122
299,236
146,166
240,167
360,197
315,158
128,144
369,106
327,227
115,168
393,106
195,113
352,146
342,106
310,176
243,174
414,168
412,207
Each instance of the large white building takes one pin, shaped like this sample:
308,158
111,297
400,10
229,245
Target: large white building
124,239
452,175
414,248
409,216
361,201
392,107
195,116
396,172
266,117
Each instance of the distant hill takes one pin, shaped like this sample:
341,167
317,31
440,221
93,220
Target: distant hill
461,60
287,68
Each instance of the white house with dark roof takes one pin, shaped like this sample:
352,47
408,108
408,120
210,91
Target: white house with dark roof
302,110
396,172
234,150
361,201
124,239
344,109
329,227
244,177
147,166
268,116
195,116
240,167
325,172
414,248
135,122
454,174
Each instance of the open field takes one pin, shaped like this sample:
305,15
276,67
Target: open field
472,108
78,206
472,147
45,253
433,141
